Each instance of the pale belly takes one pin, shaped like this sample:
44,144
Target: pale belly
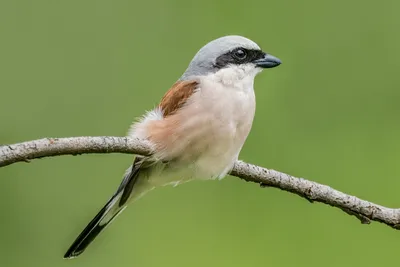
202,140
204,159
209,143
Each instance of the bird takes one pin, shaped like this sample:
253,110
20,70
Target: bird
196,132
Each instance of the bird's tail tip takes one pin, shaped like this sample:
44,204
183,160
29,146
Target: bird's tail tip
69,255
94,228
105,216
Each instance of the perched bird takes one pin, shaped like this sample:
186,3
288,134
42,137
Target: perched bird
197,130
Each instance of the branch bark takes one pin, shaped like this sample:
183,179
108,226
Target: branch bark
364,210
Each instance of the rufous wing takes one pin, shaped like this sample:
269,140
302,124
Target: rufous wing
177,96
167,134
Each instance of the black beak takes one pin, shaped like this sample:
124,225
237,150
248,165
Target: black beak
268,61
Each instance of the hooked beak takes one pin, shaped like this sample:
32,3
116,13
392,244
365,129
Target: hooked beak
268,61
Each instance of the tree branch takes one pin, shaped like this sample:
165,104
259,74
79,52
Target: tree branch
312,191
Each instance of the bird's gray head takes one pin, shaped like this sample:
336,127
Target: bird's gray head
228,51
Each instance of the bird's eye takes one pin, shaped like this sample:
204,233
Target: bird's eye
240,54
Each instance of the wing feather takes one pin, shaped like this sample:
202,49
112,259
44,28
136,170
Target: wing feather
177,96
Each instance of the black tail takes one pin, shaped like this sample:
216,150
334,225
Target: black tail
98,223
114,206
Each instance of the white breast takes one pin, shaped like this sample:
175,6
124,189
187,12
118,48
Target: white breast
222,111
213,126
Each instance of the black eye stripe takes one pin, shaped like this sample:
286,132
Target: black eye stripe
231,57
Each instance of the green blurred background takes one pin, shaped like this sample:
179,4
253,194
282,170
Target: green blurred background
329,113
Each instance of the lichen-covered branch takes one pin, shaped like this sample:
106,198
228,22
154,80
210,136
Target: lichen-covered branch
312,191
49,147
